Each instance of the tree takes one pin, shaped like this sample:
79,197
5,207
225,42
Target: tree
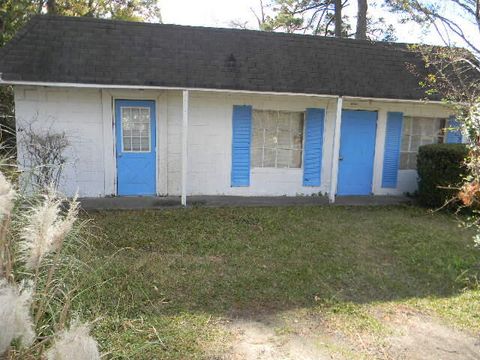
361,32
318,17
301,16
51,7
438,15
338,18
453,72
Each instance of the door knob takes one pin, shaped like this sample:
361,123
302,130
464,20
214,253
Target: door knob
340,158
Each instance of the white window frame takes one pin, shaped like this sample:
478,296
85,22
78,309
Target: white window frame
149,130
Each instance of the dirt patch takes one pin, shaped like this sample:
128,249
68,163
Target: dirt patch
410,335
259,340
419,336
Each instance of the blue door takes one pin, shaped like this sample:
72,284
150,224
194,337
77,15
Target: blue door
136,146
357,151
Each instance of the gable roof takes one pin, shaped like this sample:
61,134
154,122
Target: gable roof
95,51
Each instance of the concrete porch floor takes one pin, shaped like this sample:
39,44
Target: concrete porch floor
153,202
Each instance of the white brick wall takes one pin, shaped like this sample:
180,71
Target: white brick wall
79,115
86,116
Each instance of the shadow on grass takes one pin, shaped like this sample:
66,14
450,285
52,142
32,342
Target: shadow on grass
247,261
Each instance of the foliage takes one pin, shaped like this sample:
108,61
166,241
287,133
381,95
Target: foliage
452,72
44,154
36,239
441,170
316,17
136,10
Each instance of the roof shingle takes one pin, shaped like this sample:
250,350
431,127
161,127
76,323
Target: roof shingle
94,51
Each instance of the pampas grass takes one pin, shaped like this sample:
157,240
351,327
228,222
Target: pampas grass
74,344
32,312
7,197
15,319
46,229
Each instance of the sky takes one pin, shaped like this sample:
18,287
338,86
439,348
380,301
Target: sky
219,13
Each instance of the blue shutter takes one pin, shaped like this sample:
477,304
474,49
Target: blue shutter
454,135
312,157
242,133
391,156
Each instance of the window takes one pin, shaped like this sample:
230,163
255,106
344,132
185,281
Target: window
136,129
277,139
419,131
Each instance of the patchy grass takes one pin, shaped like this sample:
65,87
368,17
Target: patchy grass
163,281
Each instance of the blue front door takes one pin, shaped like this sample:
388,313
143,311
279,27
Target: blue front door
136,146
357,151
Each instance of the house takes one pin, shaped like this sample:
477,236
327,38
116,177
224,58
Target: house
152,109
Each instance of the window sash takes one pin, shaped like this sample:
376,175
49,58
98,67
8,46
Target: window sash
418,131
277,139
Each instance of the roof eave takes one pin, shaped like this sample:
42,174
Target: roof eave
235,91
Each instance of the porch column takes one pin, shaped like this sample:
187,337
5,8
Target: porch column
336,150
184,147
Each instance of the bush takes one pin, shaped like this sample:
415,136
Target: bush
441,170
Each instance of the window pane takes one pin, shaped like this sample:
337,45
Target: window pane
258,119
403,160
406,143
285,140
269,158
284,121
283,158
126,119
257,157
257,138
270,120
127,143
144,144
135,144
136,128
296,159
412,161
415,142
271,139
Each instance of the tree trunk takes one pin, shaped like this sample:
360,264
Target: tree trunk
338,18
51,7
362,20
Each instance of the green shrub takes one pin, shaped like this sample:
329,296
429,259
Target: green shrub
440,166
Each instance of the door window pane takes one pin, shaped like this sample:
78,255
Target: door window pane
136,132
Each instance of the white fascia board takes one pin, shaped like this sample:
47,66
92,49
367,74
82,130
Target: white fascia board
143,87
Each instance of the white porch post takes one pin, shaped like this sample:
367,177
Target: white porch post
336,150
184,147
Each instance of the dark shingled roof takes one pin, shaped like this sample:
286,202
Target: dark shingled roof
93,51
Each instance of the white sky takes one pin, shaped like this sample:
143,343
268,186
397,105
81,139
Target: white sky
219,13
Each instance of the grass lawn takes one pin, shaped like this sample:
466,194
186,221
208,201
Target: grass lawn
164,282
